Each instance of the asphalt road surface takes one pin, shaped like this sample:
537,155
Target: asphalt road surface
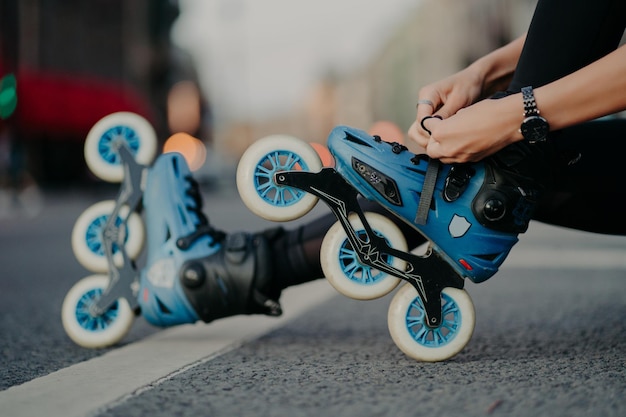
550,339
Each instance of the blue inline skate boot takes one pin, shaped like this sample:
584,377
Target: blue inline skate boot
194,272
190,271
471,215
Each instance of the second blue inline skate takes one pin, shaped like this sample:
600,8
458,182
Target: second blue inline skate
471,215
152,249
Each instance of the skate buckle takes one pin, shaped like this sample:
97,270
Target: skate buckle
457,181
398,147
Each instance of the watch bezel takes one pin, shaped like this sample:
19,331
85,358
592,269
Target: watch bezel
535,129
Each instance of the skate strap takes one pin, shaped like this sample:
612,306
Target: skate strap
428,189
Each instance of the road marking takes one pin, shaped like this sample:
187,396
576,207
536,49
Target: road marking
566,258
87,387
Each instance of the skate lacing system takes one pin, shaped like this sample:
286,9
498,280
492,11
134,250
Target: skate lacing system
203,227
430,178
506,199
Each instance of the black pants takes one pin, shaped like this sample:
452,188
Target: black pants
586,188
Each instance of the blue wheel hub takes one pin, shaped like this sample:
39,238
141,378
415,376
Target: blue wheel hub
94,323
111,140
277,195
355,270
93,236
433,336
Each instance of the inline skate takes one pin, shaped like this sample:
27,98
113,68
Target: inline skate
471,215
152,249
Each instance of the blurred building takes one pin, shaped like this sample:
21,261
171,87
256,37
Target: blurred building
439,38
77,61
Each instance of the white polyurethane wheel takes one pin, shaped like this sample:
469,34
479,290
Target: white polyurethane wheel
99,331
408,329
255,177
341,265
108,133
87,240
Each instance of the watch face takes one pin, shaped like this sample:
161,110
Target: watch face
535,129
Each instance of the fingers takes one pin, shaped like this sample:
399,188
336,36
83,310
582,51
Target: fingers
416,135
432,147
425,108
423,123
420,132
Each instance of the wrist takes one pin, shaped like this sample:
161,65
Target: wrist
496,68
507,115
479,71
534,127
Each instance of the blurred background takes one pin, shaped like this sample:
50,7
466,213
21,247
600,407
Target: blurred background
225,71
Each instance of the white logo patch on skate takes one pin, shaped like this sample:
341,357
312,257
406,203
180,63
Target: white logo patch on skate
458,226
162,273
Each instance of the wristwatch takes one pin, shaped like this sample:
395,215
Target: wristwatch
534,128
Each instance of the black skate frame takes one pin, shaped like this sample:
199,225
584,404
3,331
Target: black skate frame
429,274
123,280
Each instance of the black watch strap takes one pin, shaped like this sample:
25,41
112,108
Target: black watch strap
530,105
534,128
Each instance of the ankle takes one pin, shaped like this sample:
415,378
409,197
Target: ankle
231,281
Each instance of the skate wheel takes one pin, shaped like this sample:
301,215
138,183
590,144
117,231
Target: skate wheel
108,134
255,177
90,331
341,265
408,329
87,239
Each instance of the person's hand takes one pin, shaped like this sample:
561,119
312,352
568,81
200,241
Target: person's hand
445,98
475,132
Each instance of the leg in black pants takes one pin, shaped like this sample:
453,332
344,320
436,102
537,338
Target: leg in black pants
299,248
585,189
